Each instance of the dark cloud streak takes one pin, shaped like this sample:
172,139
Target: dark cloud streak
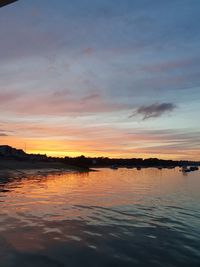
154,110
3,134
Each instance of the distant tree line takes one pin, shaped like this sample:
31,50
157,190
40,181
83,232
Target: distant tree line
83,161
89,162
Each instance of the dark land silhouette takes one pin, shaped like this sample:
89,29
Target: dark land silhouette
18,159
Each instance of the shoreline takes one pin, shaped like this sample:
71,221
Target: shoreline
20,167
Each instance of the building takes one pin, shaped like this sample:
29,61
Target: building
8,151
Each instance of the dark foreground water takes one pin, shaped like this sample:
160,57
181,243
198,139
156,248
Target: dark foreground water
107,218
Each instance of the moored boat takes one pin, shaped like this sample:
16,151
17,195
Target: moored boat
194,168
185,169
114,167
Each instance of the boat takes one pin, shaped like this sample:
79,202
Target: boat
189,169
129,167
185,169
114,167
194,168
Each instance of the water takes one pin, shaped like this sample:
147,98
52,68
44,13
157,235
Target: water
119,217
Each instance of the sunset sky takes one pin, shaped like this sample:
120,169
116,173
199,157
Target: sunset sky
117,78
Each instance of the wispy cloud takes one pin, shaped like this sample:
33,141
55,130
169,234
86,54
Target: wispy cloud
88,51
172,65
3,134
8,96
154,110
57,103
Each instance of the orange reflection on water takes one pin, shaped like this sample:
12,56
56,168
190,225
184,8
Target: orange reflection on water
47,209
107,188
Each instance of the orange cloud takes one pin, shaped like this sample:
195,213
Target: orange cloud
103,141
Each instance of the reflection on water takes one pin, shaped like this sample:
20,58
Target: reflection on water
106,218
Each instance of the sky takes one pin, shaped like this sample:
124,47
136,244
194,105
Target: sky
117,78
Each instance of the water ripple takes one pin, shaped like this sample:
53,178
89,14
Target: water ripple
105,218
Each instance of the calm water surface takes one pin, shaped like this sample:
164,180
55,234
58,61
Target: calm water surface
108,218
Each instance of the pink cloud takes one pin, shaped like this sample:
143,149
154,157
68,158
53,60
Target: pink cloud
6,97
58,103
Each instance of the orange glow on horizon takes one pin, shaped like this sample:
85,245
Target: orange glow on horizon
62,148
